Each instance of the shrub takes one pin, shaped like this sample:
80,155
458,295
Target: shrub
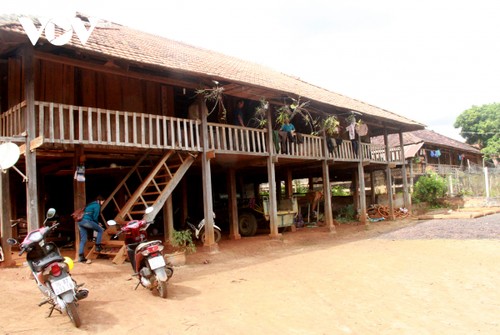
346,214
430,188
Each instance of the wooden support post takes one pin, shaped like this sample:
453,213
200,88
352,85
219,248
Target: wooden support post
411,180
5,217
362,193
372,187
388,177
79,195
184,192
234,232
327,195
32,208
168,219
327,191
271,178
406,195
288,183
207,186
355,187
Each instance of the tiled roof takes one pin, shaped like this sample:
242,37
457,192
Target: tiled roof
122,42
428,137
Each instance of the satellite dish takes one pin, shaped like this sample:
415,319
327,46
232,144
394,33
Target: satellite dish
9,154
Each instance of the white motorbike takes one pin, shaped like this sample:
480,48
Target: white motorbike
199,230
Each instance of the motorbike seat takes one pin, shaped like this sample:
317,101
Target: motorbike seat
40,264
144,245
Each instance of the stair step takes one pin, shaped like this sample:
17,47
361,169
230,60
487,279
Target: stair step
151,193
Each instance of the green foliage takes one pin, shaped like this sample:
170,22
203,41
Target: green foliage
260,116
183,240
339,191
288,112
300,188
331,125
347,214
284,114
215,95
481,125
430,188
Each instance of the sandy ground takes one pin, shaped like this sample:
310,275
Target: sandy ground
404,277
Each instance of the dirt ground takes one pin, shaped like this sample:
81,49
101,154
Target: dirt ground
404,277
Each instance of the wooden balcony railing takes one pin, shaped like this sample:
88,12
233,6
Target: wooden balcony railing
67,124
225,138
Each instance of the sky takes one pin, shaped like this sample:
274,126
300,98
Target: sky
427,60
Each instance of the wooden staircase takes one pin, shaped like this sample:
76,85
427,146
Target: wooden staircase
151,190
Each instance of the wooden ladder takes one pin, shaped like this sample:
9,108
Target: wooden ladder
153,191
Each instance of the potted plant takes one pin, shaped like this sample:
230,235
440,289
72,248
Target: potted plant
182,243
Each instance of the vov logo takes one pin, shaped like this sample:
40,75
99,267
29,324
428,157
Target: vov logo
67,25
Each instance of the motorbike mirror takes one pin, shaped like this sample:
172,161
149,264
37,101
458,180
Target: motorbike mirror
50,213
111,223
11,241
149,210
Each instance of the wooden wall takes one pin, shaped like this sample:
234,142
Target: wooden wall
62,83
15,83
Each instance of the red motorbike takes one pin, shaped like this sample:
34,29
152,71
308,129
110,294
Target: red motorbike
51,271
146,257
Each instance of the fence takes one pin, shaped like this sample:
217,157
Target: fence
478,182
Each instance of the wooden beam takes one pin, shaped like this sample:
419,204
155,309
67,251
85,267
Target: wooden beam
406,195
5,217
36,143
79,196
32,208
327,192
362,193
234,232
388,177
207,186
271,177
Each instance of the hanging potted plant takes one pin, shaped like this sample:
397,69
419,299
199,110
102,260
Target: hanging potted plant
260,117
215,95
331,125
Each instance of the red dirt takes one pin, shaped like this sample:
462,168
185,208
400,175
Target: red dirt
309,282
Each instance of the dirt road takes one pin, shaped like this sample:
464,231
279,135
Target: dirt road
363,280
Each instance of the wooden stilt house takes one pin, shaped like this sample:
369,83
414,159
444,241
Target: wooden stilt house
116,108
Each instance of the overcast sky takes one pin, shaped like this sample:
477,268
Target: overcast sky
428,60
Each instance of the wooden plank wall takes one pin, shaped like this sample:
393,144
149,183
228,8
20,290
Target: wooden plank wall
60,83
16,85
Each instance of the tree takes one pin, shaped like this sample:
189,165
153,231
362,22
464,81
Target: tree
481,125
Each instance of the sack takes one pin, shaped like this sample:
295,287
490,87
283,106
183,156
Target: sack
78,214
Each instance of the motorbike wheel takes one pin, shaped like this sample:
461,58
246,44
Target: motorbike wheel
162,289
217,235
73,314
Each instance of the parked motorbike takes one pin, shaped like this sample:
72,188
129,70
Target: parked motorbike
51,271
199,230
146,257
